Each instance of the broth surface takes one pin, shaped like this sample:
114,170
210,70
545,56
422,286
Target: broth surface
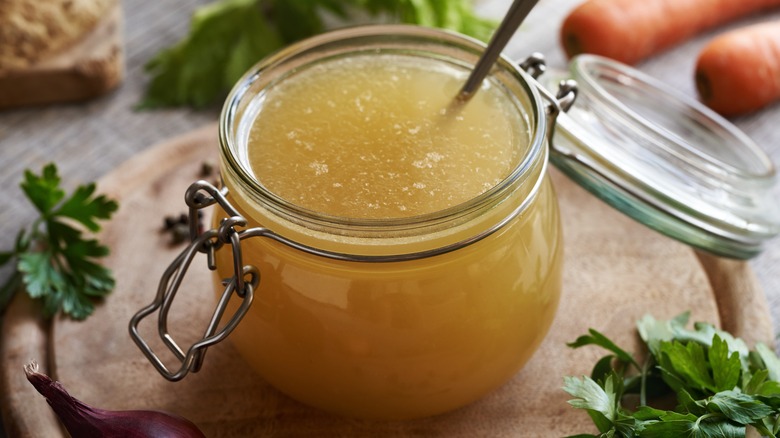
372,137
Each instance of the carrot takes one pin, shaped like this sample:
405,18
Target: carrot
739,71
631,30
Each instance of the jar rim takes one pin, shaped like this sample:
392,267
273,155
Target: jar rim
588,69
536,151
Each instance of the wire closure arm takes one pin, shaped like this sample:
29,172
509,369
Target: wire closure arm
243,283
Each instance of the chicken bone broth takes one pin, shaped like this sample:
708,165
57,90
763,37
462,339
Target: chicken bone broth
372,137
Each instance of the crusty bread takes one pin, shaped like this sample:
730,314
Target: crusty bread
33,29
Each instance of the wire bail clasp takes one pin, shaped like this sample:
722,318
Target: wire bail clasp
535,65
199,195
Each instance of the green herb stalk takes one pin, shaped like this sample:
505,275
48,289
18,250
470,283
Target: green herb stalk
720,387
55,261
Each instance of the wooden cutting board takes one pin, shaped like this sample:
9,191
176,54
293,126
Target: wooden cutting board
90,68
616,271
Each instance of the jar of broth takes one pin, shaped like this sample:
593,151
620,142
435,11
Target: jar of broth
436,269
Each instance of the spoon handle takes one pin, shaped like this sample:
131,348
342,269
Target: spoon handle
514,16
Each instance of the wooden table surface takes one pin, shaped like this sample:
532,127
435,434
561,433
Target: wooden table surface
89,140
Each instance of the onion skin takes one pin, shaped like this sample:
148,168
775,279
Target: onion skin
82,420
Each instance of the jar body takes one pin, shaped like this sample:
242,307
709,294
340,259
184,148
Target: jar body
403,339
392,317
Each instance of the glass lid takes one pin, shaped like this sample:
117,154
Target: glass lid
665,159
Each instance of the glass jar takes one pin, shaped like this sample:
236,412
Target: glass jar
393,317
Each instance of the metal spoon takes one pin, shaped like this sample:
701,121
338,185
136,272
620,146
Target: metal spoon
516,14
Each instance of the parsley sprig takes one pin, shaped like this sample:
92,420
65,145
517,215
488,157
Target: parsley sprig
719,386
227,37
55,261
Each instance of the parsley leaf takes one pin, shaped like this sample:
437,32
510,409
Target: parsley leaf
227,37
55,262
85,208
770,361
595,338
738,407
673,424
687,363
43,191
725,367
721,387
593,397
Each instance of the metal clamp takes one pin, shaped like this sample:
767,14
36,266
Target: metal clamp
243,284
535,66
